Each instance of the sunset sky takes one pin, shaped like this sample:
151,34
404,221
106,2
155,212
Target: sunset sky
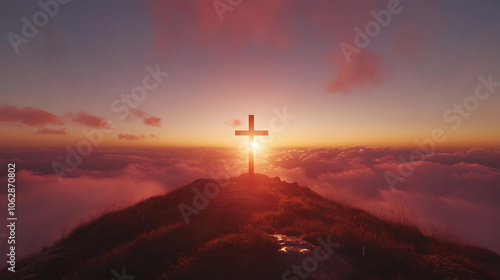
263,56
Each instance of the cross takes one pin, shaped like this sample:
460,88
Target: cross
251,133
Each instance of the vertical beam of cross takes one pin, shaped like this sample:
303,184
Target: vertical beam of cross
251,133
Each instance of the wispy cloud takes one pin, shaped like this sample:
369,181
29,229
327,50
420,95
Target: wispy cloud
147,119
124,136
88,119
152,121
49,131
29,116
363,70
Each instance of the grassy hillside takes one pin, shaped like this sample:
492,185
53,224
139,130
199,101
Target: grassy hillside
231,239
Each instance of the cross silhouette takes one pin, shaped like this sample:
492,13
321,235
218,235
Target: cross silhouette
251,133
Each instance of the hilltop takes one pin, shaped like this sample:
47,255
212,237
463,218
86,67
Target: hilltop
259,228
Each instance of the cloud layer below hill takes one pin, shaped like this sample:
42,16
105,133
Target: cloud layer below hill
452,191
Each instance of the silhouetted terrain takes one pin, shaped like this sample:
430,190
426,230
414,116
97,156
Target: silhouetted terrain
242,233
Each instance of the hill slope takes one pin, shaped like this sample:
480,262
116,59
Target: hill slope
262,228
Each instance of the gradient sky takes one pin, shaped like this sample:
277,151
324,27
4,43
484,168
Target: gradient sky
264,56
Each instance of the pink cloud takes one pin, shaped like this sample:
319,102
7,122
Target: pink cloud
146,118
61,131
124,136
131,136
259,20
363,70
270,25
88,120
152,121
236,122
29,116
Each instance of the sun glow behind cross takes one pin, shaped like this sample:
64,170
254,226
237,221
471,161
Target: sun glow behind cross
255,146
251,132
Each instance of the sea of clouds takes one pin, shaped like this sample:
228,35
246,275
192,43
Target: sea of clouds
448,192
